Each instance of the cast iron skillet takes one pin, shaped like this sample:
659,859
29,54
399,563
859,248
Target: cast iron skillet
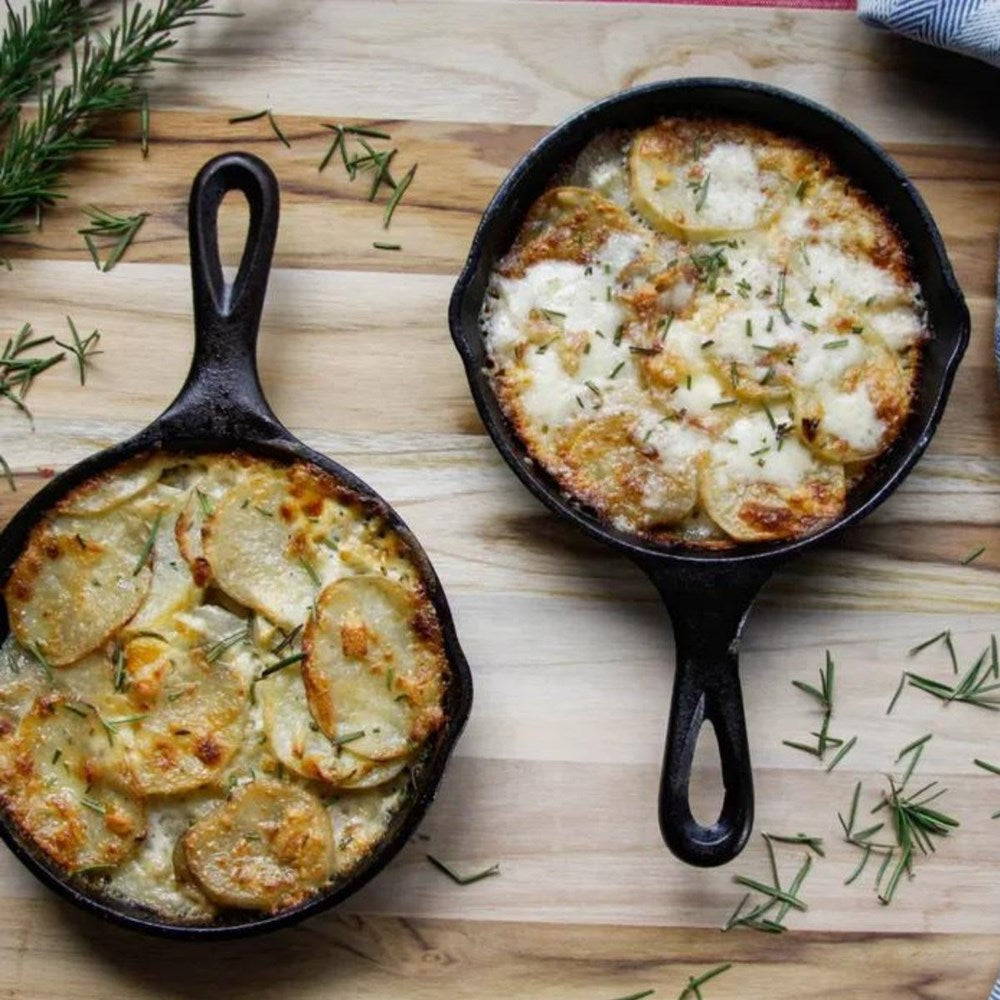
222,408
709,593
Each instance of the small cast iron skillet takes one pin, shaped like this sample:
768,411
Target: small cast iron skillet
222,408
709,593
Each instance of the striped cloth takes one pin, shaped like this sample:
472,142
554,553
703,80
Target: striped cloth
995,992
968,26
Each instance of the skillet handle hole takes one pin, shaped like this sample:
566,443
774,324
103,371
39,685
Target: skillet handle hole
234,226
706,789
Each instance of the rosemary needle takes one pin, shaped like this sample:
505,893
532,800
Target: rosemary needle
637,996
841,753
7,474
251,117
105,223
694,984
281,664
397,195
974,555
148,546
929,642
986,766
386,246
462,879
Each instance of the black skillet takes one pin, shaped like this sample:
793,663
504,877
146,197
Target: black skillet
709,593
222,408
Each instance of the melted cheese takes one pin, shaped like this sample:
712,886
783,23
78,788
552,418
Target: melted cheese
734,198
852,417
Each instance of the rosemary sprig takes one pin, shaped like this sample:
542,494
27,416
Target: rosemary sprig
463,879
18,372
813,843
104,78
776,897
641,995
973,555
823,696
83,349
386,246
986,766
693,988
106,224
33,40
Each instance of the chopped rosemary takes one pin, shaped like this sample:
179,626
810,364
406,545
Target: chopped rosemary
974,555
834,345
724,402
641,995
386,246
41,658
703,193
844,750
617,368
987,766
7,474
204,502
693,988
340,741
93,804
18,373
311,572
823,695
282,663
119,663
82,349
106,224
251,117
812,300
147,548
271,120
813,843
214,651
463,879
288,639
800,189
928,642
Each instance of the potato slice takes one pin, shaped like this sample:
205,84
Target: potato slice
302,747
374,667
612,467
112,488
757,491
60,787
190,717
856,414
268,847
63,570
361,818
688,182
173,588
269,545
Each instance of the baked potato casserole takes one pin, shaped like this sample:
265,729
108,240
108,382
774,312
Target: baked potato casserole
704,332
220,675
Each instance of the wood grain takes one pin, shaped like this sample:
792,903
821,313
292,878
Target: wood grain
556,775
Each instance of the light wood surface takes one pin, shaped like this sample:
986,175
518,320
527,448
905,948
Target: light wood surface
556,775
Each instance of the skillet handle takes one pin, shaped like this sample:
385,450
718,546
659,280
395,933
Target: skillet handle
222,391
708,622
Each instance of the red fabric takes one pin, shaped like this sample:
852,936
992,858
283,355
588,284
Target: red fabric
802,4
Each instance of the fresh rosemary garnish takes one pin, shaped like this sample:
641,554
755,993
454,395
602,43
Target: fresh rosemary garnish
107,224
776,896
42,659
340,741
118,658
833,345
710,266
462,879
800,189
271,120
987,766
281,664
8,475
93,804
17,372
973,555
780,296
311,572
693,988
216,649
83,349
929,642
287,640
812,300
641,995
813,843
723,403
147,547
617,368
104,78
386,246
702,193
823,695
204,502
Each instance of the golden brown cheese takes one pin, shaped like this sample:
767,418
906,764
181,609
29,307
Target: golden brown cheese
161,739
703,367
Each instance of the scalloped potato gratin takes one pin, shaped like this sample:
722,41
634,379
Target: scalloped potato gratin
220,674
705,332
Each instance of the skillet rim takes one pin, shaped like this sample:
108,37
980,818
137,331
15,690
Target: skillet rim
655,555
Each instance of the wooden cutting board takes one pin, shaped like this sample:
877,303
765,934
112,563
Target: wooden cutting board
557,773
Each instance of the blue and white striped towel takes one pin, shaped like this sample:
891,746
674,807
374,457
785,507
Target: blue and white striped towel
995,992
968,26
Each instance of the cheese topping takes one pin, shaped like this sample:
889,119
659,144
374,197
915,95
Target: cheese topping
753,324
